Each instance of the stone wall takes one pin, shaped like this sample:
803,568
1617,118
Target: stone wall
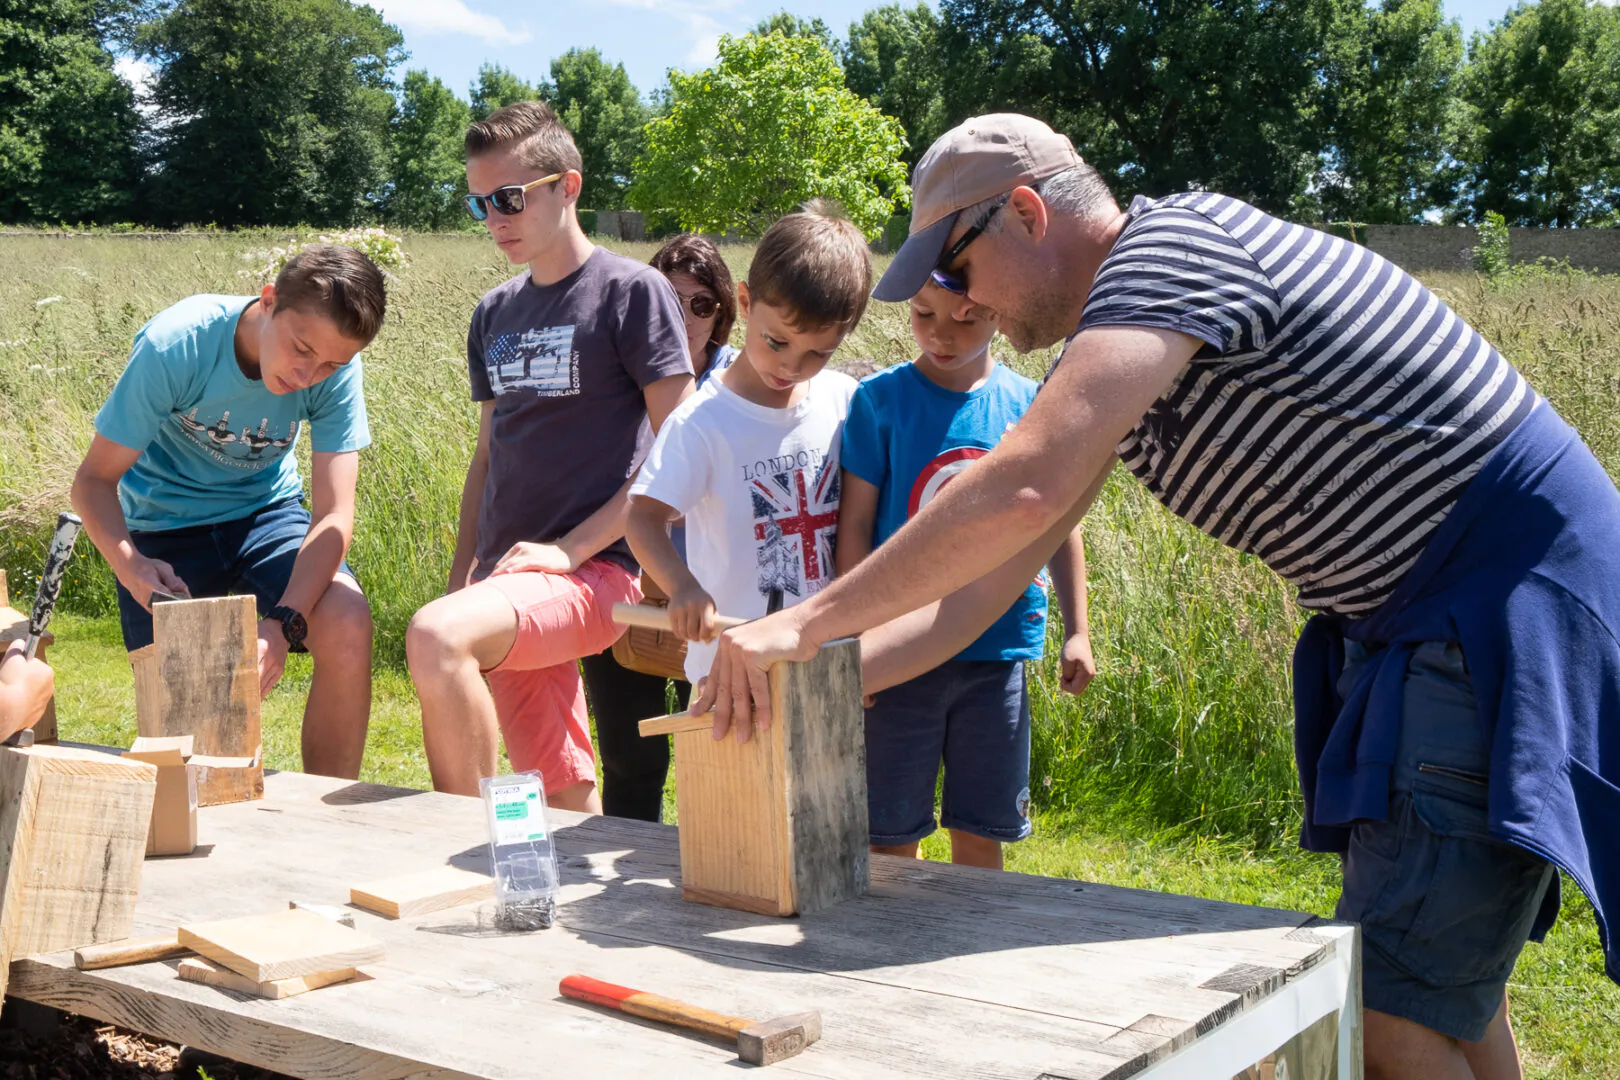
1417,248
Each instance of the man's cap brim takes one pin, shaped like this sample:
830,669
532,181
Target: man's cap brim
915,260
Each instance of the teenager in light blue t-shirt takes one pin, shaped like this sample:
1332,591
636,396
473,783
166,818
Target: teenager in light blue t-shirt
911,429
191,486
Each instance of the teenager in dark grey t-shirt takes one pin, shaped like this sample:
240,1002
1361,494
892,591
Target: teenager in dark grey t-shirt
569,362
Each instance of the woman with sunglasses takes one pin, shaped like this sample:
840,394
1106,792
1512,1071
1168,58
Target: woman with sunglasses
693,265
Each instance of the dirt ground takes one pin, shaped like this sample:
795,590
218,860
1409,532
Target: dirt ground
38,1047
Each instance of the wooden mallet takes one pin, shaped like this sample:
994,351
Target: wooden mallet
763,1043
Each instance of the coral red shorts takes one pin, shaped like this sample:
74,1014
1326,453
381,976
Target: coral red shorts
539,698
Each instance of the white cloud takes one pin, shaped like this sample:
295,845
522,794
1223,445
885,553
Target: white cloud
448,17
137,72
700,19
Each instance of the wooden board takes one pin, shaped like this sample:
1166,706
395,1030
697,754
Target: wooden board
778,825
281,945
421,893
72,835
939,972
205,682
198,970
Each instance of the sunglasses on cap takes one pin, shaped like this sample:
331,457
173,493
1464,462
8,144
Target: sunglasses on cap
506,200
948,280
701,305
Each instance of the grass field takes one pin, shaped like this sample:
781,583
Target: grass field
1174,772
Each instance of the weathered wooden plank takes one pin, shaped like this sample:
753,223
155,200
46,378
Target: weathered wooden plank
72,835
818,705
205,682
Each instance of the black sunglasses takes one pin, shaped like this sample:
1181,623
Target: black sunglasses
504,200
944,278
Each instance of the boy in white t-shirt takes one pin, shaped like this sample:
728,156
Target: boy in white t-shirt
751,459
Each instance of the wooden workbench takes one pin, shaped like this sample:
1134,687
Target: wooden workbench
939,972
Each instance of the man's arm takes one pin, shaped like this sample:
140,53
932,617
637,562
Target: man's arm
331,529
607,524
95,496
26,687
1078,666
472,499
857,513
1108,378
921,640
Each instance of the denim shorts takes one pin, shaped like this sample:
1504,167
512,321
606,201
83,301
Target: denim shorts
254,555
970,715
1445,909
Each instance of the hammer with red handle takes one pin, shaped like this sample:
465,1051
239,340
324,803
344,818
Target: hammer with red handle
50,587
762,1043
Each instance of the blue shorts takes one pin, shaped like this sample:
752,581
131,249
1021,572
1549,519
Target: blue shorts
972,715
1444,908
254,555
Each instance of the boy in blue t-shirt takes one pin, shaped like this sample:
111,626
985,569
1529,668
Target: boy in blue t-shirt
190,484
911,429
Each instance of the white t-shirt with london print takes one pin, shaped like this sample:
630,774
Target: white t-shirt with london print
759,488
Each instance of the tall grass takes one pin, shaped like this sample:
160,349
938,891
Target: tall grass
1187,728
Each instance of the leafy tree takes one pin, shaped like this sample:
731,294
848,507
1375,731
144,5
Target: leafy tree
1540,137
597,102
792,25
277,111
497,87
1164,97
768,128
429,176
68,124
1390,79
892,60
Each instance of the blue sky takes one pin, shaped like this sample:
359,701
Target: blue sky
451,38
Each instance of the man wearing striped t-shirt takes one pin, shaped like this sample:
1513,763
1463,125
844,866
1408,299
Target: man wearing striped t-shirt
1303,400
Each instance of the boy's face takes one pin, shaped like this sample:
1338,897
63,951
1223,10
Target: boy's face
297,349
783,355
523,236
951,334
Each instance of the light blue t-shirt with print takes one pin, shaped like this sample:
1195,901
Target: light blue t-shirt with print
908,437
216,445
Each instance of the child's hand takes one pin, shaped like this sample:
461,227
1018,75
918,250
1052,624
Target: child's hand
691,614
1079,668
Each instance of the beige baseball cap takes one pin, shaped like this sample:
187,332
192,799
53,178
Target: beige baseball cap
976,160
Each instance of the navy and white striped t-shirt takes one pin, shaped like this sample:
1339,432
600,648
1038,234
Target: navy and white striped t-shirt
1336,410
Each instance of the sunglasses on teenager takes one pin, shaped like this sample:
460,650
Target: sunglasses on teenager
948,280
504,200
701,305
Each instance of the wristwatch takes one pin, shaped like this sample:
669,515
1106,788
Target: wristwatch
293,627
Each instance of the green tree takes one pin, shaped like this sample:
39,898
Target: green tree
1540,134
278,110
1162,97
429,176
1390,80
497,87
769,127
892,59
68,124
784,22
596,101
